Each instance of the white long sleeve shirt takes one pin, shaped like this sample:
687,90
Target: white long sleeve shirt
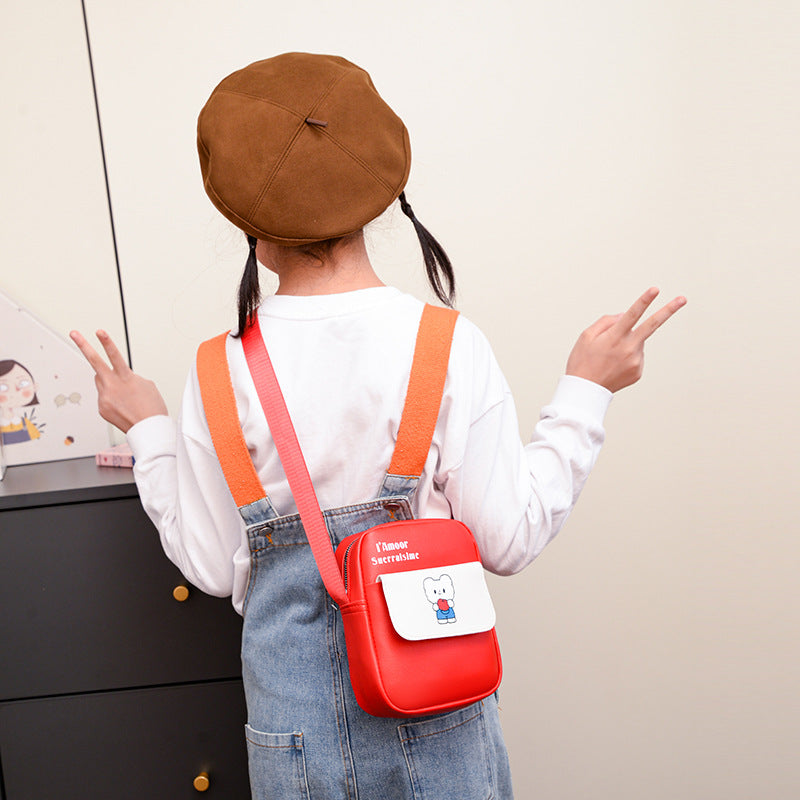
343,363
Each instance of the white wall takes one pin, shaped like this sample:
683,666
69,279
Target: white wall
55,232
568,155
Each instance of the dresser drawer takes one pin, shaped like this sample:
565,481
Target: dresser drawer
148,743
86,604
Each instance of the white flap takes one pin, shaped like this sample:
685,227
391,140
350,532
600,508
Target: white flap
439,602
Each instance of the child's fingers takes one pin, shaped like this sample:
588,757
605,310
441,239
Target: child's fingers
90,354
634,313
113,353
654,322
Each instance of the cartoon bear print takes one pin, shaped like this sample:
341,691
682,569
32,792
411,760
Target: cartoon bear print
440,594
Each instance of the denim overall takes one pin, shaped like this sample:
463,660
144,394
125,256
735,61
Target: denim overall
306,736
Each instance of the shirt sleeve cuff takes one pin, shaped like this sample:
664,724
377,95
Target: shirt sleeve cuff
153,437
582,398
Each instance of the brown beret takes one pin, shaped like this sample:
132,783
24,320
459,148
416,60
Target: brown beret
300,148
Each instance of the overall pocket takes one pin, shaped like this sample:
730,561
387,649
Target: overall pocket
448,756
277,765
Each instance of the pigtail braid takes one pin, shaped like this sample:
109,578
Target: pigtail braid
437,264
249,289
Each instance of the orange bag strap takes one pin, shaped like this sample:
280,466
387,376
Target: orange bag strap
425,389
222,416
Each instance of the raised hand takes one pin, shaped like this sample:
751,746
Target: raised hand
611,352
123,397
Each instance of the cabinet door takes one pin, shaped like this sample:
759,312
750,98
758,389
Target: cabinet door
148,743
86,604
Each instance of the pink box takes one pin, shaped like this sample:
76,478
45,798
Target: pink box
117,456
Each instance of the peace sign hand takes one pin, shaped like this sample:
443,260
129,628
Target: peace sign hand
611,352
123,397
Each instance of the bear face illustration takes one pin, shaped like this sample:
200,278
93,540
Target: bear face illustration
440,593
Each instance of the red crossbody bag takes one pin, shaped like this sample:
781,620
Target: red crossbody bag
417,616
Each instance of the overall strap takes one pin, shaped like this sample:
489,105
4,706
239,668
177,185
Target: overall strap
424,393
219,403
421,409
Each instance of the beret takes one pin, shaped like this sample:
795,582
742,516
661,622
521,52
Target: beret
300,148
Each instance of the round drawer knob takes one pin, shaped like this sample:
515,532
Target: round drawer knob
201,782
181,593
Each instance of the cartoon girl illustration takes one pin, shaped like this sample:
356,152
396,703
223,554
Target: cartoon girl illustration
17,392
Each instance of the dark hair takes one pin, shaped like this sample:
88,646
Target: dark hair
437,266
249,289
7,365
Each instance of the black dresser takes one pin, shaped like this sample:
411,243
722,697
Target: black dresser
117,679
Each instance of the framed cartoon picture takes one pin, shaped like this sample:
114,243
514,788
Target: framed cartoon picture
47,393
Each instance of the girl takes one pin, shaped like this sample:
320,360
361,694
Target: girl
300,152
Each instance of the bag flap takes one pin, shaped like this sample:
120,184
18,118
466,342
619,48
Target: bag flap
439,602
